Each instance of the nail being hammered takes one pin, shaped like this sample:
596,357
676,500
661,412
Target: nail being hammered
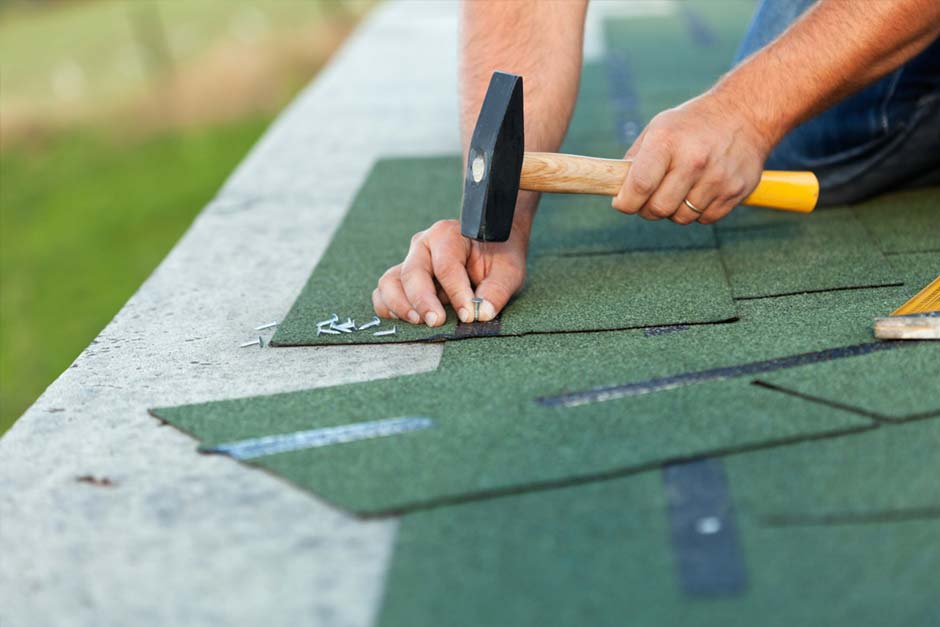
476,308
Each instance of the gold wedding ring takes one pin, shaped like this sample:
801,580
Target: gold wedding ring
688,203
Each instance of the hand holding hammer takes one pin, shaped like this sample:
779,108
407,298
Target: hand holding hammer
498,167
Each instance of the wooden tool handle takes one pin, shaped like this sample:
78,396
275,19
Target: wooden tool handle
572,174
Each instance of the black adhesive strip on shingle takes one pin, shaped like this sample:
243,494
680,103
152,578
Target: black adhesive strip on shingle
699,31
477,329
624,95
702,530
612,392
854,518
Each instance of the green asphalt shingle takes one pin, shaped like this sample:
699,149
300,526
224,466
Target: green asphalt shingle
490,435
883,473
600,554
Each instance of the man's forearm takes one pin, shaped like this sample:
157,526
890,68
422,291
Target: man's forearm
541,41
836,48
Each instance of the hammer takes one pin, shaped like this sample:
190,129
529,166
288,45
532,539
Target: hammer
498,167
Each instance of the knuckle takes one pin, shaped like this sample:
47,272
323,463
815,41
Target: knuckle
642,184
698,158
658,209
442,227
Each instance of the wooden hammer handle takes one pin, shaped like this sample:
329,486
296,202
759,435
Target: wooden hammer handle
572,174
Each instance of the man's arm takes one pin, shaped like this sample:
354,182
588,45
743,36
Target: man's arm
711,149
541,41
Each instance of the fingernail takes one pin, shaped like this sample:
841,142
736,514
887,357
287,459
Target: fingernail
431,319
464,315
392,314
487,311
413,317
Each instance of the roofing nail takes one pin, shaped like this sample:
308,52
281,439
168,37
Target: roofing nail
345,328
331,320
708,525
259,342
269,325
391,331
368,325
327,331
476,300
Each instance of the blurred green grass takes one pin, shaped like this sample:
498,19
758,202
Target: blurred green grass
118,123
84,219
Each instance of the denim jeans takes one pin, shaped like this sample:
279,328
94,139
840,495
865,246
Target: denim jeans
884,137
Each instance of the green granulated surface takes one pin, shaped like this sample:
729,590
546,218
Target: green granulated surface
917,269
491,437
570,225
666,65
760,217
823,251
904,222
890,385
609,291
562,294
600,554
891,471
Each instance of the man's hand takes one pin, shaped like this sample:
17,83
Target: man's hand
710,150
442,266
706,151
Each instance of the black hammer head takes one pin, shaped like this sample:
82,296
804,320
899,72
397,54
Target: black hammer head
494,162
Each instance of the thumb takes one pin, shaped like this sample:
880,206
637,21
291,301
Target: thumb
497,288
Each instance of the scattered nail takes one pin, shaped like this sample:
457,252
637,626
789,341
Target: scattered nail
269,325
391,331
368,325
330,321
327,331
259,342
431,319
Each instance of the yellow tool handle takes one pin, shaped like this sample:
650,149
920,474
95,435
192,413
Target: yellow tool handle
787,191
573,174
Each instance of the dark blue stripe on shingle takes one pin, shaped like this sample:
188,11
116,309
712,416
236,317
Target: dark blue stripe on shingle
612,392
626,101
699,31
708,554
